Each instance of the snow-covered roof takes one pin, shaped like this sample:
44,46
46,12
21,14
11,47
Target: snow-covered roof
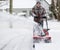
23,3
20,4
49,1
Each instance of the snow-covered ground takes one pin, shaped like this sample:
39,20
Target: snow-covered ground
19,37
54,31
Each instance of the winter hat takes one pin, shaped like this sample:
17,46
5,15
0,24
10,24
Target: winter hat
38,2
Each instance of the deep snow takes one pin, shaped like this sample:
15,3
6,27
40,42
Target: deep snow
19,37
54,31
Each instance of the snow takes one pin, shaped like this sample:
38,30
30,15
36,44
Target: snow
19,4
23,4
54,31
49,1
19,37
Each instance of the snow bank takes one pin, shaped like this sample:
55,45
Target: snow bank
19,37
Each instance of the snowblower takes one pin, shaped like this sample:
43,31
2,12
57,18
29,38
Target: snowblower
45,38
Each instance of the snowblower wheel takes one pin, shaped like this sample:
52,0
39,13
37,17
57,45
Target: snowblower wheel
33,46
47,40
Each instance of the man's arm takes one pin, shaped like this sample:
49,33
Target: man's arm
44,12
33,10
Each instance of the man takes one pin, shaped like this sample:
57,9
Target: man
39,13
